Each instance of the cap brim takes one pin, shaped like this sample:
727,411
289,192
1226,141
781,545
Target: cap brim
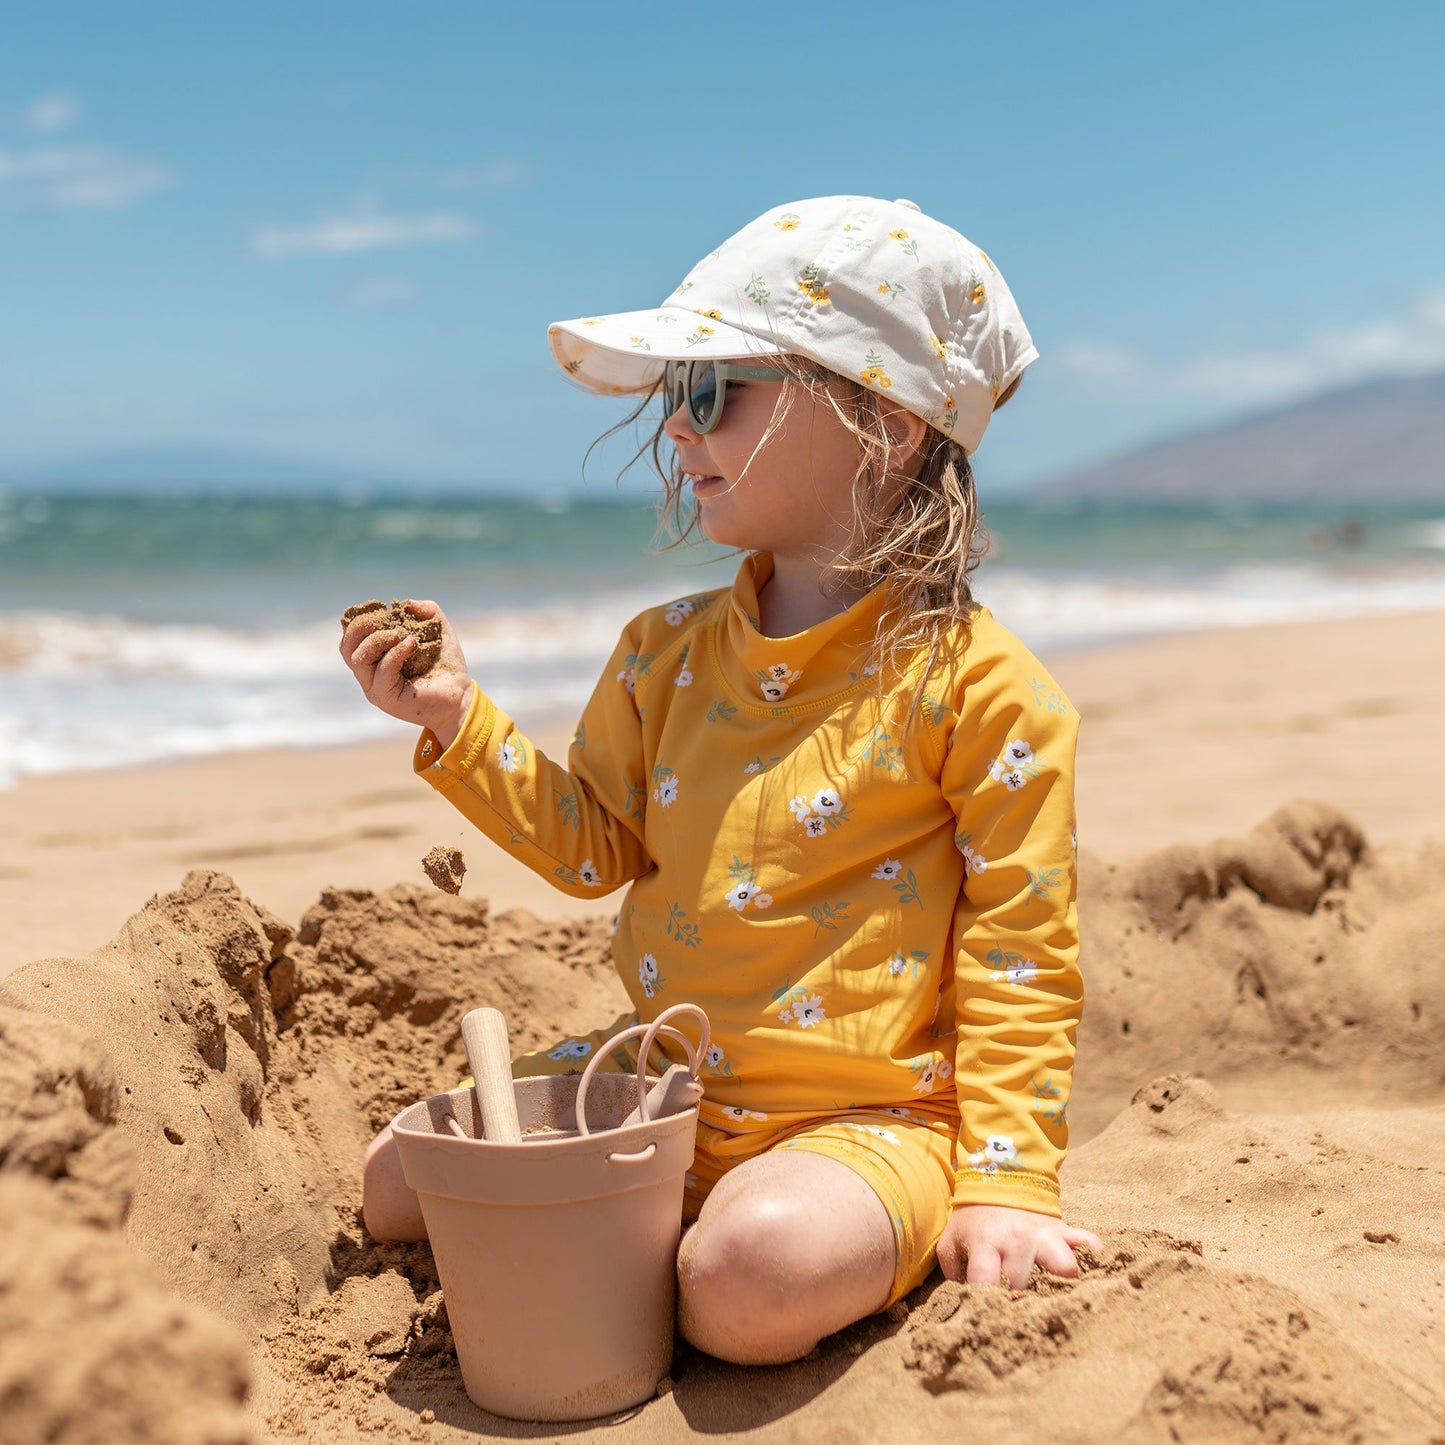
625,352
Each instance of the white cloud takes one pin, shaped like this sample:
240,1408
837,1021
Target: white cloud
487,176
52,112
1410,340
368,232
384,291
79,177
1096,361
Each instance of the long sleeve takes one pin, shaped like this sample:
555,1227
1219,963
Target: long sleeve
1009,777
580,827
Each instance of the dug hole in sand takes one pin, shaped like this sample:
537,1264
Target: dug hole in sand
183,1114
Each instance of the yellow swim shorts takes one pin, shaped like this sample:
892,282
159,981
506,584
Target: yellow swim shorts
906,1157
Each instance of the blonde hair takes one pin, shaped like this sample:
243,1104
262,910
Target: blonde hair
919,532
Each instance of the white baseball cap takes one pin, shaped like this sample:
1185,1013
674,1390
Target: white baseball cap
874,290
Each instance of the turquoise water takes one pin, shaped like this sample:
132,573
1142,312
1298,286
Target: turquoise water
199,624
141,557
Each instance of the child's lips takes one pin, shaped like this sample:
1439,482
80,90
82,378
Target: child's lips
701,485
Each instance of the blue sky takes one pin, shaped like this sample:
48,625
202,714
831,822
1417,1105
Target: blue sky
338,231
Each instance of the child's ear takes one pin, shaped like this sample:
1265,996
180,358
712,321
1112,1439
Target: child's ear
905,439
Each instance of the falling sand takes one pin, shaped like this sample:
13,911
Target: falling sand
446,868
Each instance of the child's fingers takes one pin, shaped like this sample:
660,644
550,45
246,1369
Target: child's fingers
1075,1238
369,624
1017,1264
985,1265
424,610
372,649
950,1257
388,679
1058,1258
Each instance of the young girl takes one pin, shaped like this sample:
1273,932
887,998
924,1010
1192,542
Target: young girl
840,793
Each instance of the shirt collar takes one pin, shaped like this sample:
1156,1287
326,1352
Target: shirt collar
828,658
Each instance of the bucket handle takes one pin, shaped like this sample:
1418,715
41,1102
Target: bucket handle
650,1032
641,1157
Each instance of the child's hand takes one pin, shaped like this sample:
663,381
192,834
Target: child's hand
438,699
994,1244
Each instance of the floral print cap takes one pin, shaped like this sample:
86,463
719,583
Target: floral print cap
871,289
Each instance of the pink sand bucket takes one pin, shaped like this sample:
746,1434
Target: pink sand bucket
557,1254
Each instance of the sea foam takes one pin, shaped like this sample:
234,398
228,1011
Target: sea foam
93,690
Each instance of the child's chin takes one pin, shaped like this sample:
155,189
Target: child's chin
715,529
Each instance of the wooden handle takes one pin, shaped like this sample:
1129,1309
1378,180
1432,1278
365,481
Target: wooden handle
489,1055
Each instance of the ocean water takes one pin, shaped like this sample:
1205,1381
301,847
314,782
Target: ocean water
135,629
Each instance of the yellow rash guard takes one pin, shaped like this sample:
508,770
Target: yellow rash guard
873,916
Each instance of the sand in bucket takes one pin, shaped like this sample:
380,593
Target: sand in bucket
557,1253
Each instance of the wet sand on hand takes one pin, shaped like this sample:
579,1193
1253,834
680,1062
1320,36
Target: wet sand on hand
186,1085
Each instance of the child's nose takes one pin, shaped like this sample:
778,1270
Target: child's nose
677,427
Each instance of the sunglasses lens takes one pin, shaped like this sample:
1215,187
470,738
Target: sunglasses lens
673,394
704,394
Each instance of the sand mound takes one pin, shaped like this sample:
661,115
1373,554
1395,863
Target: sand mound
1192,1353
97,1346
182,1115
58,1099
381,982
1261,957
1344,1204
243,1069
184,1000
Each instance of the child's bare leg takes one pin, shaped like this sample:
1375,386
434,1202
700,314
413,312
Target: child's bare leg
389,1205
788,1248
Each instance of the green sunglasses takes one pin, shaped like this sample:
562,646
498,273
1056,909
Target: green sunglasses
701,385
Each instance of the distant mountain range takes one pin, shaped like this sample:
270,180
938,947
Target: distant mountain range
1382,441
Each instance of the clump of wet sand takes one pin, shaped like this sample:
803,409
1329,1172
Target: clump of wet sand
427,631
446,868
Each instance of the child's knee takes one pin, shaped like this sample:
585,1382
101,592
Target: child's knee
389,1205
787,1250
744,1248
745,1284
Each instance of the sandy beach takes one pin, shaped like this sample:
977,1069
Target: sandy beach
221,976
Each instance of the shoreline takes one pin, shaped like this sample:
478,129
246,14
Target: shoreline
1186,737
202,687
